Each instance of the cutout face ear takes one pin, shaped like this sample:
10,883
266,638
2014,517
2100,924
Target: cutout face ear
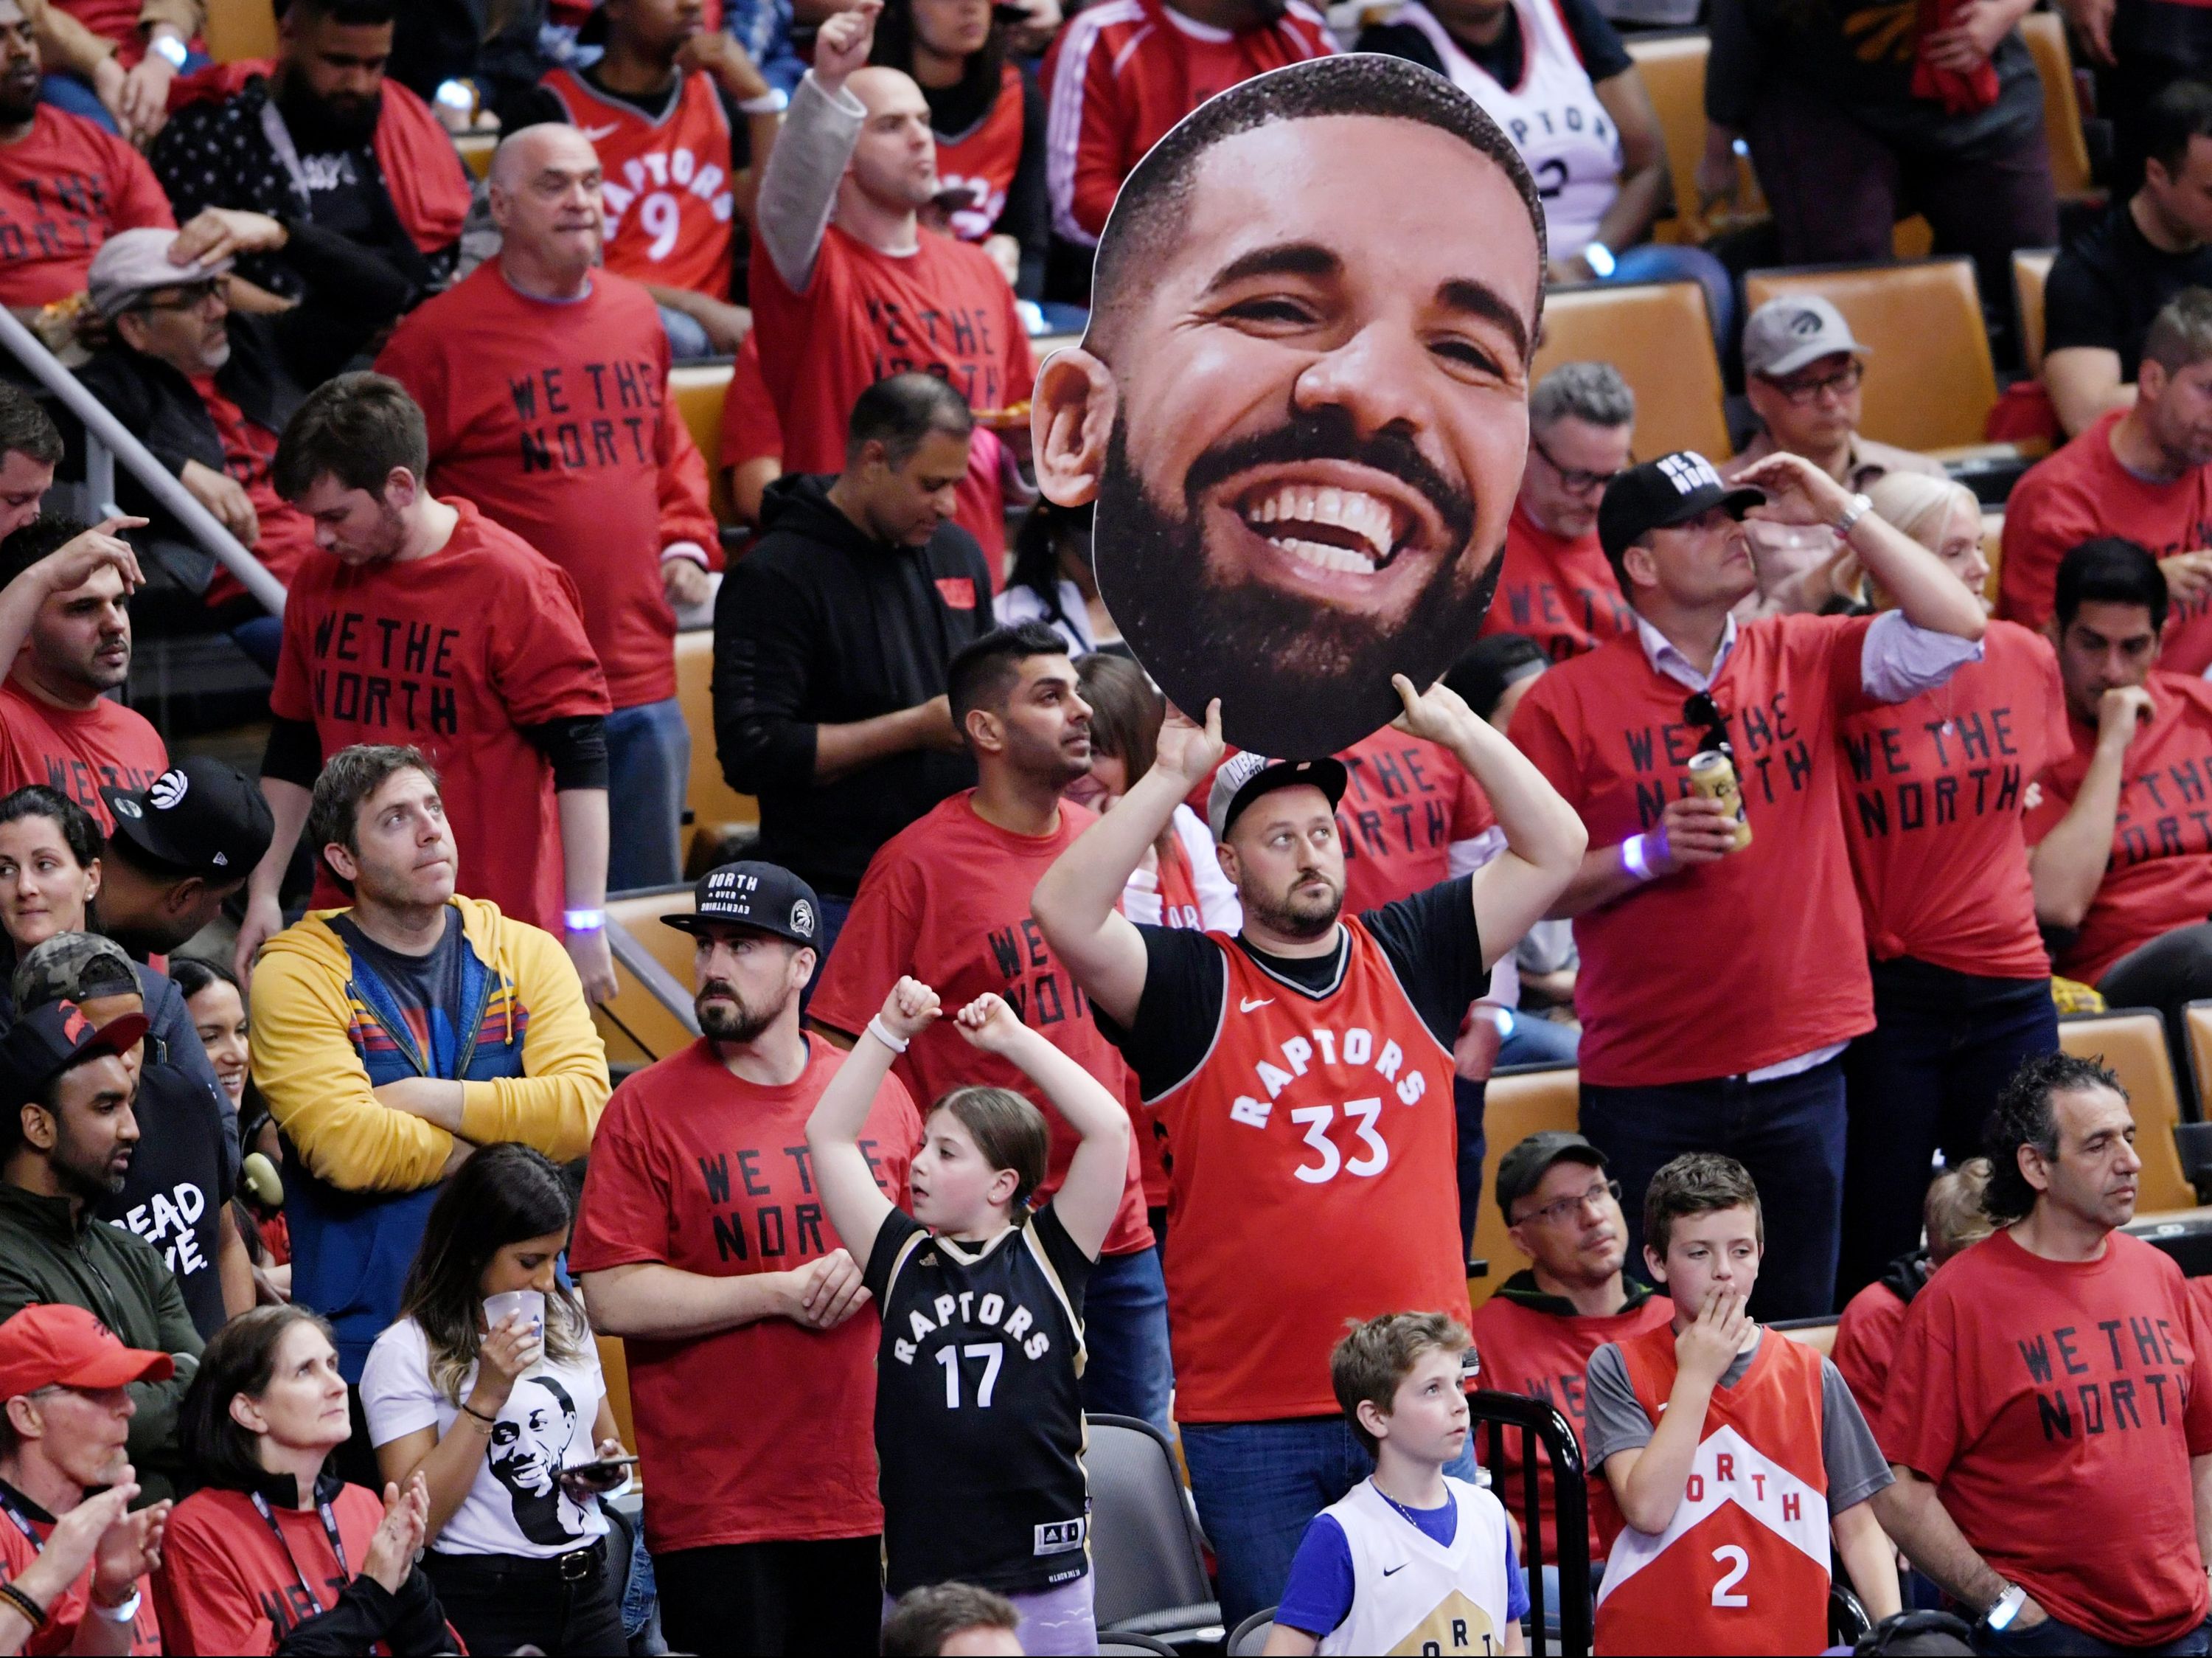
1070,422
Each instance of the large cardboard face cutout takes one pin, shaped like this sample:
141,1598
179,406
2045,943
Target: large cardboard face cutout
1302,405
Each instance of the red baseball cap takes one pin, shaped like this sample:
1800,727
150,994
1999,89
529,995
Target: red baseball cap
53,1344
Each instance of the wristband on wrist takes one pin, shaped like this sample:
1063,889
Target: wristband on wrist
584,921
468,1409
124,1612
169,49
1636,856
774,102
882,1033
22,1602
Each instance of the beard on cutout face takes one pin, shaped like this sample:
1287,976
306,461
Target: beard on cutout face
1298,677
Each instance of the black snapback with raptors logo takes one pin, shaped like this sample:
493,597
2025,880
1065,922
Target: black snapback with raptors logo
765,897
200,817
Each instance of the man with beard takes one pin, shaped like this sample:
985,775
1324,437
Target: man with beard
320,135
1723,959
429,623
66,1140
1302,1072
1305,419
947,901
702,1243
394,1036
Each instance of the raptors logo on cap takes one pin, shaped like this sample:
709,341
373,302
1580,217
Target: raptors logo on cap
169,789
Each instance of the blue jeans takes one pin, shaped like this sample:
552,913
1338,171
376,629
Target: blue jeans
1467,1113
2052,1639
687,336
1127,1371
1257,1485
1925,1079
1789,1133
638,1592
1655,261
258,638
66,91
1537,1041
648,768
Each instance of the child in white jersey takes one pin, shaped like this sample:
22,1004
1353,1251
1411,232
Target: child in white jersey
1413,1560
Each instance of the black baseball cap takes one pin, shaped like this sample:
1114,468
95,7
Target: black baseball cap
766,897
1662,493
46,1041
200,816
1243,777
1521,1170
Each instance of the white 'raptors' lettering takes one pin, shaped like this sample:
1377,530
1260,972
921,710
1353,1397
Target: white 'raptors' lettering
657,181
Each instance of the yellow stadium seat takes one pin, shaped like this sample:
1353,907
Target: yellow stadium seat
2133,1043
2031,269
237,30
699,391
614,1365
1821,1338
1513,1108
2200,1053
650,1016
640,913
1673,69
1930,383
1658,336
715,806
2046,34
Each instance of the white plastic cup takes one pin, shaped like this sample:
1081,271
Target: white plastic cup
530,1303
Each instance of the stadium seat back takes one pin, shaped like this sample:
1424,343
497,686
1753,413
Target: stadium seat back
1819,1334
1249,1639
1514,1105
239,30
649,1017
2132,1041
1144,1545
714,805
614,1364
699,390
1672,66
1930,383
2199,1020
640,912
2031,269
2046,34
1657,335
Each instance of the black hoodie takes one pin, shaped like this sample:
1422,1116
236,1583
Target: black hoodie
820,623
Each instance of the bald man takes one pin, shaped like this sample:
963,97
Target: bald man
544,383
849,286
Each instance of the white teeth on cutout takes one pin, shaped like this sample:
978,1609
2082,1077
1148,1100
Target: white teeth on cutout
1355,510
1328,558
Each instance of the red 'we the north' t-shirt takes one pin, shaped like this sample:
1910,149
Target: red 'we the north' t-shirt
453,653
65,1612
2160,876
2055,1406
77,752
228,1585
944,309
764,1432
1406,803
66,187
2082,492
947,899
1559,593
1933,790
555,419
1733,965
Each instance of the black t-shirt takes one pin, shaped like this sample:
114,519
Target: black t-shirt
426,990
1430,939
344,180
979,1409
181,1176
1502,60
2106,285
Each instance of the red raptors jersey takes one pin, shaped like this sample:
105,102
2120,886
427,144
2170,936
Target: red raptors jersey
1315,1144
667,189
982,161
1743,1567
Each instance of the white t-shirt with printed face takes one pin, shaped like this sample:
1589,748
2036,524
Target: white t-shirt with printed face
516,1505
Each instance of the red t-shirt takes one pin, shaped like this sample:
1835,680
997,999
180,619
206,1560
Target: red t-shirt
1764,957
2055,1405
702,1171
1559,593
2082,492
555,419
107,746
1545,1355
667,188
249,455
945,309
454,652
1933,793
1406,803
982,161
228,1585
1866,1338
2160,875
66,187
58,1633
749,429
947,899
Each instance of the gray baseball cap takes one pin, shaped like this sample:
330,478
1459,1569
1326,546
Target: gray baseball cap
1785,334
1243,777
135,262
1523,1167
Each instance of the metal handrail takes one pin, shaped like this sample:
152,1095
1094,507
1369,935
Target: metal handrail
104,431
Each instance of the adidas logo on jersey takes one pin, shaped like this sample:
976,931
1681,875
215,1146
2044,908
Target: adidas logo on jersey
1060,1536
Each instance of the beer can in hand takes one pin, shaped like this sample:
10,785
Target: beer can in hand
1712,774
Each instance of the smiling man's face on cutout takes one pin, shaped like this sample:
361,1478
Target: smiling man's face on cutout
1318,399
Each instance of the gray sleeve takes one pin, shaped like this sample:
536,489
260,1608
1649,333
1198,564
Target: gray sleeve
1857,1468
1613,1417
172,1021
799,191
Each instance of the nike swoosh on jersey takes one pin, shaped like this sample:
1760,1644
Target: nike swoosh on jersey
1246,1003
596,133
1387,1570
